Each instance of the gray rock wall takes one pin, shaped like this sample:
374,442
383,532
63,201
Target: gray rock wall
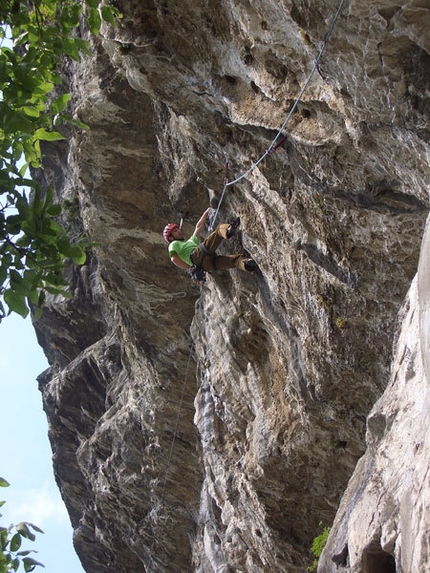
213,430
383,518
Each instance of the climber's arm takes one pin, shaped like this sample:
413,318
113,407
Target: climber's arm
201,224
179,262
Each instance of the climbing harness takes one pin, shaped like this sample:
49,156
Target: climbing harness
198,275
275,143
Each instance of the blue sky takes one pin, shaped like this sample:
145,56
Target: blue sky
26,454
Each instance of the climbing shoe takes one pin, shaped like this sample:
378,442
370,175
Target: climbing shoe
250,265
234,225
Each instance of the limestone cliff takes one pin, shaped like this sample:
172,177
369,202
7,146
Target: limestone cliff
213,430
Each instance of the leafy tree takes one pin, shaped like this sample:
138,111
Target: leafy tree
11,538
34,247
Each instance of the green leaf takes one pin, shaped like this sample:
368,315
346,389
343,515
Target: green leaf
36,528
17,122
24,553
57,290
71,49
93,3
30,564
13,224
46,135
31,111
50,231
74,13
23,169
15,279
3,539
42,298
83,45
108,14
4,483
33,296
22,205
70,120
73,251
94,21
16,303
23,241
78,255
3,275
15,542
24,530
60,103
54,210
43,88
37,313
27,81
29,228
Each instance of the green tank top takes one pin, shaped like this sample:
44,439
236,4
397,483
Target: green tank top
184,248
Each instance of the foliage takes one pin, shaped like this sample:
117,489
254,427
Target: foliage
11,538
318,545
33,245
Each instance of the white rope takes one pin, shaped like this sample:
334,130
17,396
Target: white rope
169,459
177,424
290,113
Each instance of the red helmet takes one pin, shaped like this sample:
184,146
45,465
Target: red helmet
168,229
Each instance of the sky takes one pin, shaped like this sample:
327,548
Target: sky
25,460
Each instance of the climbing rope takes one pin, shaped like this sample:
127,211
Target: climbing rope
212,222
175,433
274,145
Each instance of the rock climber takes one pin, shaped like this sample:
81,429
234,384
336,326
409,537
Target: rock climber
199,256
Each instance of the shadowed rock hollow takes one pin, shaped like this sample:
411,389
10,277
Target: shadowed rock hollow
213,430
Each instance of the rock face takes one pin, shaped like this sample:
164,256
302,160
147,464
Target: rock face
383,520
213,430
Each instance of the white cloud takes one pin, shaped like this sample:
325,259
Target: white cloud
40,507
